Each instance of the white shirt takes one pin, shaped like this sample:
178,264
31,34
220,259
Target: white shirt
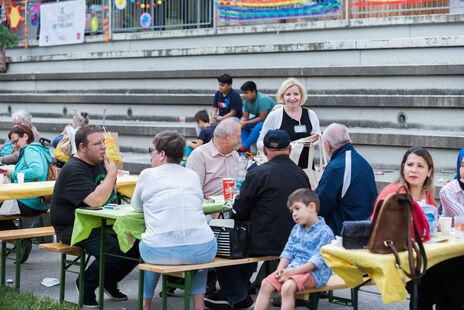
274,121
171,198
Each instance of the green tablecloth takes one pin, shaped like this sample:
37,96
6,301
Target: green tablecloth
127,223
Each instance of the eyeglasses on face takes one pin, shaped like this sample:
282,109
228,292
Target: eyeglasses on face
15,141
150,150
84,114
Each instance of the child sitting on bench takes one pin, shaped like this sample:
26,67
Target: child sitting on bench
301,264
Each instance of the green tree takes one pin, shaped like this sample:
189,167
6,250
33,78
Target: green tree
7,39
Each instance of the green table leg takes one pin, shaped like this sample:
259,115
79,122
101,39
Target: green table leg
18,263
101,285
81,279
314,301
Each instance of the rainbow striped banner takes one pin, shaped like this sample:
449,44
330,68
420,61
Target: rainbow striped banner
387,2
267,12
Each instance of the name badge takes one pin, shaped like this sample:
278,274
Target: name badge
300,128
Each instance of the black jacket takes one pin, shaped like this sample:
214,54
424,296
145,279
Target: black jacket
263,201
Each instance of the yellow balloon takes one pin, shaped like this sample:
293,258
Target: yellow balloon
142,6
160,2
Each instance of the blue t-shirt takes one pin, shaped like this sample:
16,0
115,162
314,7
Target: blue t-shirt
206,134
230,102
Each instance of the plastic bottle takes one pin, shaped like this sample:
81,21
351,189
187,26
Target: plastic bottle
242,170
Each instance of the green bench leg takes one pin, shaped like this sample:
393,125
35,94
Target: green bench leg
164,295
141,279
350,302
3,263
187,289
62,277
18,263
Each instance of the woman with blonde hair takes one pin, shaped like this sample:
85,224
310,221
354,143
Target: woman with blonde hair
298,121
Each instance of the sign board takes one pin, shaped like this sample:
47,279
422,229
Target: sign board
62,23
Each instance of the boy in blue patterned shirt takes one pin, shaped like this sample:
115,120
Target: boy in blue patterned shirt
301,264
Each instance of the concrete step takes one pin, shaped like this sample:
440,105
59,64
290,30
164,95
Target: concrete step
382,147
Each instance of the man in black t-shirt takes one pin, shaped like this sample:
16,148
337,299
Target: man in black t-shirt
227,101
88,180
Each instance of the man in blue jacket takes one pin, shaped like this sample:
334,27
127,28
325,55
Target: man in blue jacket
347,188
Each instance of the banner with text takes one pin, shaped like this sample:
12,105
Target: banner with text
62,23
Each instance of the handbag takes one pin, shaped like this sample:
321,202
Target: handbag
233,237
355,234
391,232
314,175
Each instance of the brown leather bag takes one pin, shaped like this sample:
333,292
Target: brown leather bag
391,232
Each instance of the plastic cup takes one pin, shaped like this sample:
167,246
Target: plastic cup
1,178
459,225
445,224
20,176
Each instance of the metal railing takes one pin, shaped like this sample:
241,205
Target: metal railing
123,16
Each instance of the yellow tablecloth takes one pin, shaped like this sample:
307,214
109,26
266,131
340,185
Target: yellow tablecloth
351,264
125,185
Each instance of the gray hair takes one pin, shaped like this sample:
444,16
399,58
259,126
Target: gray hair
226,127
336,134
22,114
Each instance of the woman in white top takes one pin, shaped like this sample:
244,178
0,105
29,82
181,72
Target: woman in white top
171,198
299,122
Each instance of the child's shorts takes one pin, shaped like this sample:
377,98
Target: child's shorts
303,281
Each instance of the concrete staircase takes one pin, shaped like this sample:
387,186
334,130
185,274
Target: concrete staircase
395,83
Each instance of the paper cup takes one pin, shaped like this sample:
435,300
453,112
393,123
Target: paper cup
445,224
20,176
459,225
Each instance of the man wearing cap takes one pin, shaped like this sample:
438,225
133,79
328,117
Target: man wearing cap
263,202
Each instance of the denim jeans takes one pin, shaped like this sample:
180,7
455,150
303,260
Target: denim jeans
250,134
177,255
234,281
115,268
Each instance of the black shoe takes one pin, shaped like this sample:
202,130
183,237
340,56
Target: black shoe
246,304
324,295
115,294
26,247
217,301
90,302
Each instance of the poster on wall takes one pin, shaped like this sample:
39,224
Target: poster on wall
62,23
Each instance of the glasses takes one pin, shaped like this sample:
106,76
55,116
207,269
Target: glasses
84,114
150,150
15,141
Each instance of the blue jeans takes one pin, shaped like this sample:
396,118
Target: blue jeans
250,134
177,255
234,281
115,268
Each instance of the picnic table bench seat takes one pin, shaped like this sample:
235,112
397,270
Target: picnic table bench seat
188,273
15,236
80,260
335,283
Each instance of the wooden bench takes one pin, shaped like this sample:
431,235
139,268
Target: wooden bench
65,264
20,218
334,283
188,273
15,236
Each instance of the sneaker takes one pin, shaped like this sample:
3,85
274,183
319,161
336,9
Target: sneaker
89,302
218,301
276,300
246,304
26,247
115,294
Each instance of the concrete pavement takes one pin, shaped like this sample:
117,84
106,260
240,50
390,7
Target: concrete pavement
43,264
